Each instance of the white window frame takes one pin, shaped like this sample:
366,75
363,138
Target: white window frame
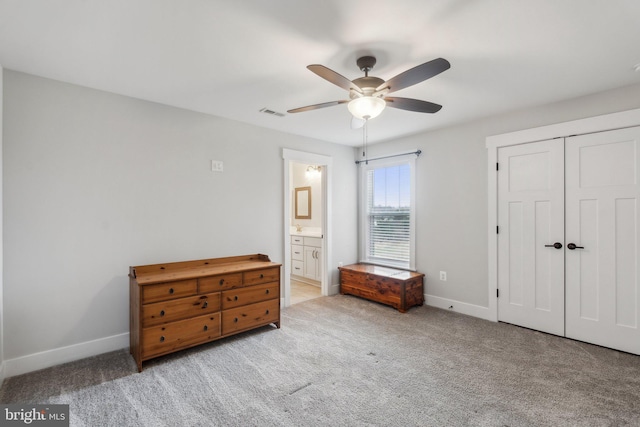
362,212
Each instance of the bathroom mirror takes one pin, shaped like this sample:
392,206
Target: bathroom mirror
303,203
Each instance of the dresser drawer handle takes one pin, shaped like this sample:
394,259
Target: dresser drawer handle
171,291
161,313
206,327
267,312
206,304
162,338
221,282
235,298
267,291
262,276
235,320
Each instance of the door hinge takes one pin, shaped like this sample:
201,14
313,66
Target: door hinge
497,166
497,293
497,229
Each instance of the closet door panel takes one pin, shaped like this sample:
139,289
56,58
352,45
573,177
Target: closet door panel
531,220
602,192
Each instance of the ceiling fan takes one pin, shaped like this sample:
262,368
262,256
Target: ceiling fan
368,94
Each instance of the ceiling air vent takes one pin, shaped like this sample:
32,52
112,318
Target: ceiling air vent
273,113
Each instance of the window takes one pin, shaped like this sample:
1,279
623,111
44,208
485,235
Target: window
388,213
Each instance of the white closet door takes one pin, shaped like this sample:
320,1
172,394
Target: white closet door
531,220
602,216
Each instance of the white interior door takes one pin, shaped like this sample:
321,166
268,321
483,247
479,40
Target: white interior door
531,221
602,215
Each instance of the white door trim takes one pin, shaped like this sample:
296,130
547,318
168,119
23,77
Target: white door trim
293,156
559,130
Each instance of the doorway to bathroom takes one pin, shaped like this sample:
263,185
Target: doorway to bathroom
306,226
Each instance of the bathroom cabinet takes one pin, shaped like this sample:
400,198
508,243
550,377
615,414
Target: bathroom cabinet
306,257
312,258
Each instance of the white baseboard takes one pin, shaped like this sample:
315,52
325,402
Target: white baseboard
458,307
57,356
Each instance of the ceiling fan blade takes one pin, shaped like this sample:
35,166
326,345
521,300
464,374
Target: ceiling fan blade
316,106
333,77
413,105
416,75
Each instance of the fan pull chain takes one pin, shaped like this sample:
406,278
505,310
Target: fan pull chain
365,137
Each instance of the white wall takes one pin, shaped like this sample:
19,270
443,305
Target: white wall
452,192
96,182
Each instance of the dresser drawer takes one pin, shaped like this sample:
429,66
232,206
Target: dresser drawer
181,334
297,240
244,296
297,252
261,276
181,308
219,283
246,317
169,290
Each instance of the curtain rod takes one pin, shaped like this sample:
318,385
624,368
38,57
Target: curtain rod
417,153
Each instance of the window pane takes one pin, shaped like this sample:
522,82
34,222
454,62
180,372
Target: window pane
388,213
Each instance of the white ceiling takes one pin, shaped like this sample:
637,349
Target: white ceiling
232,58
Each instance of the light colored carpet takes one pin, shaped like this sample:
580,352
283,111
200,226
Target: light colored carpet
344,361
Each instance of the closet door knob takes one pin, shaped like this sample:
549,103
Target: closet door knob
556,245
573,246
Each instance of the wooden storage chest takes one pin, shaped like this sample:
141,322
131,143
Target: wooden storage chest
178,305
398,288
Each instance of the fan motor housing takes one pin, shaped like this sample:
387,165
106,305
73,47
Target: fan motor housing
368,84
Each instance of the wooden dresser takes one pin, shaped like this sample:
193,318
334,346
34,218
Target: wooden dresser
400,289
178,305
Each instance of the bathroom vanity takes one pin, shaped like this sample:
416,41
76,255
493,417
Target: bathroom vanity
306,257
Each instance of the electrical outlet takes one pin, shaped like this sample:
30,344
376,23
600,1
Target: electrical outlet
217,166
443,276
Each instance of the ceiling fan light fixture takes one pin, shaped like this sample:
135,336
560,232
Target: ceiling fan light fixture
366,107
